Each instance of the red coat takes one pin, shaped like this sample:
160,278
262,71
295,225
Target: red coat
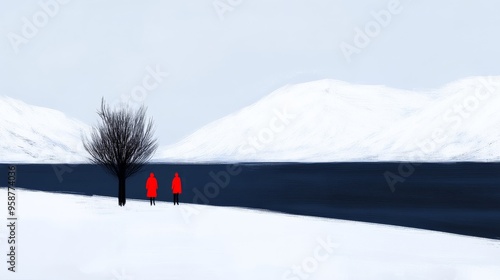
151,186
176,184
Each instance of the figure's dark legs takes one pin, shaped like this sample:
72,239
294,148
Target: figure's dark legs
176,198
150,201
154,201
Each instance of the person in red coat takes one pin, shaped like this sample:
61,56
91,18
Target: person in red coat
176,188
151,187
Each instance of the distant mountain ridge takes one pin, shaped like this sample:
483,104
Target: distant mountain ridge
330,121
320,121
32,134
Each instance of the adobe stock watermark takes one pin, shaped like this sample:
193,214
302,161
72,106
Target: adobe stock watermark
32,26
222,7
222,179
322,252
12,221
266,135
151,81
122,274
69,162
452,119
210,191
364,36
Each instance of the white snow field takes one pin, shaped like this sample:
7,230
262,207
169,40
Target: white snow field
331,121
65,236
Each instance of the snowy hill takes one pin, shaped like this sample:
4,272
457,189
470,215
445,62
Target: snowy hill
207,242
329,120
319,121
34,134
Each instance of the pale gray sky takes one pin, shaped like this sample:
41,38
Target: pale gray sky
223,55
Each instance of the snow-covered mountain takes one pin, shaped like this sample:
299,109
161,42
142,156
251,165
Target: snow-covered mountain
330,120
34,134
319,121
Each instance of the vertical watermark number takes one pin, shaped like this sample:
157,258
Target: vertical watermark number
11,219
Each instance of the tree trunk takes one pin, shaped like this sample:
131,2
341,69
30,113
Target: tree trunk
121,190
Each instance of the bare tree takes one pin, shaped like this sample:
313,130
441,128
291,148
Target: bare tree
122,143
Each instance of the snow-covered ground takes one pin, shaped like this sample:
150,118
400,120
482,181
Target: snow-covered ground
62,236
